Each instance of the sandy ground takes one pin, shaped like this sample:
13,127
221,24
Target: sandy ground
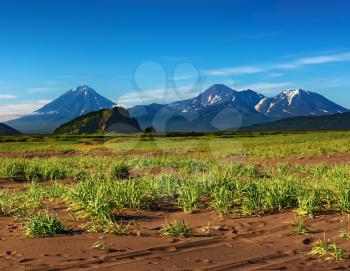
239,243
244,243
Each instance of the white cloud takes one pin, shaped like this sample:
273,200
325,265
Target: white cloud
21,108
285,66
234,70
324,59
7,96
43,102
157,95
293,64
4,118
266,86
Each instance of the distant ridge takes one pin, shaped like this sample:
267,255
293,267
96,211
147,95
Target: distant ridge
73,103
7,130
339,121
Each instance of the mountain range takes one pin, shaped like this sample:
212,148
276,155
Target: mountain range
222,108
217,108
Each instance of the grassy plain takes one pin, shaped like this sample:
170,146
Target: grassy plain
205,189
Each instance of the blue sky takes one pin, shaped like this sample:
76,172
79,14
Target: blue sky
143,51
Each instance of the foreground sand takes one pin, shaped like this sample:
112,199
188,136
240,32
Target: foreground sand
245,243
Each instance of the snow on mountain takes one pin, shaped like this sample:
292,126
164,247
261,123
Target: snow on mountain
77,102
297,102
217,107
74,103
202,112
219,94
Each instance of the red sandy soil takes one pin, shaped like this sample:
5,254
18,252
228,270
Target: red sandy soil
37,154
245,243
97,152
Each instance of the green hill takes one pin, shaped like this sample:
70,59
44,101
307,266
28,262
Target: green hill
116,120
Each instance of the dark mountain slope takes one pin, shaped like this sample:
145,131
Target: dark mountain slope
340,121
104,121
7,130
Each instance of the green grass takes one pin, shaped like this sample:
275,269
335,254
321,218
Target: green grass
189,196
299,226
119,171
328,251
108,226
177,228
42,225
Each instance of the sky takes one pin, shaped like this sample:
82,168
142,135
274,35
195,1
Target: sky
139,52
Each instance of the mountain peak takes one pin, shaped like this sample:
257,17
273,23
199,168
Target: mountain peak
219,87
295,91
78,101
81,89
219,90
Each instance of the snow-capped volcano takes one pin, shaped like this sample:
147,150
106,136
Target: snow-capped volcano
77,102
297,102
220,94
74,103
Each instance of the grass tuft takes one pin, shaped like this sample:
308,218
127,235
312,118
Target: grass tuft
42,225
177,228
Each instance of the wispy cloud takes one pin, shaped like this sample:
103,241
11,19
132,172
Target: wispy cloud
7,117
328,83
21,108
266,86
292,64
324,59
234,70
161,95
43,102
7,96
